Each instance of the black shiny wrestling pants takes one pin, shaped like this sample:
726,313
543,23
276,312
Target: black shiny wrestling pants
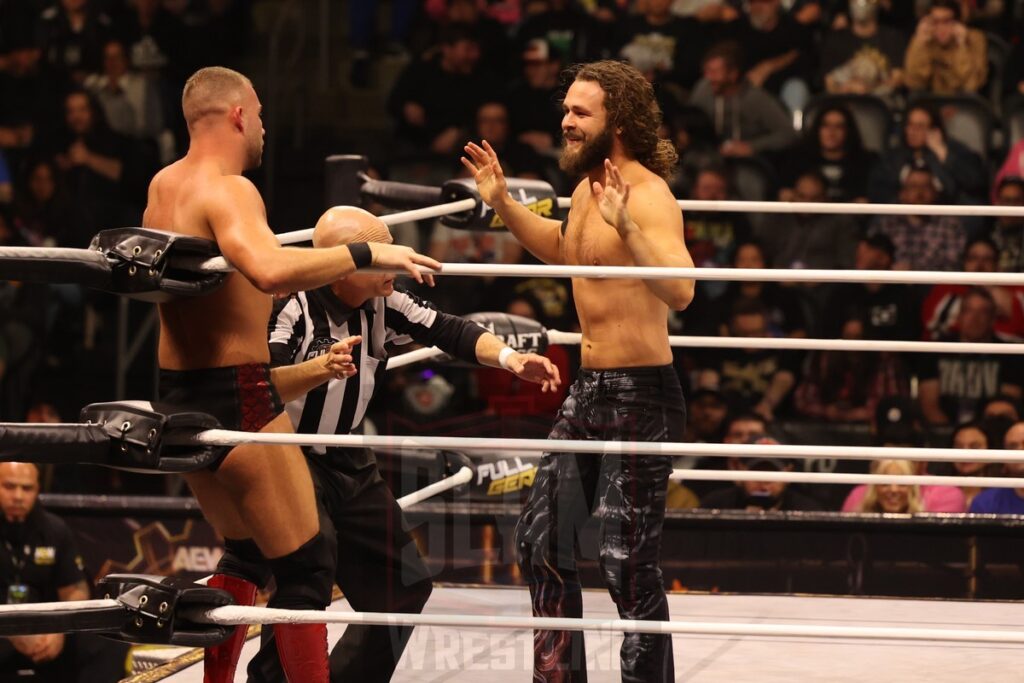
627,495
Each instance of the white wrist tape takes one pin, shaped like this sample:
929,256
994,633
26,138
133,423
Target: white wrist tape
503,357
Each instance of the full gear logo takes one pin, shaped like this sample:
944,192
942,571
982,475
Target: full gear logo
506,476
319,347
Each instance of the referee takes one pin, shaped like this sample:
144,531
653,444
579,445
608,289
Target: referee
328,349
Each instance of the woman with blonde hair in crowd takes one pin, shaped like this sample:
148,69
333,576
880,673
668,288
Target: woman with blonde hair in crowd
892,498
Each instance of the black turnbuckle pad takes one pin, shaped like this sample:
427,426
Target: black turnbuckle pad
153,437
155,606
155,265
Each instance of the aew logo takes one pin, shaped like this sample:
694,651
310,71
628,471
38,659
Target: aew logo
523,342
196,558
506,477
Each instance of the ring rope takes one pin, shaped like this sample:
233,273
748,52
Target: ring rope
899,277
463,476
781,343
410,216
847,478
219,264
858,208
223,437
234,615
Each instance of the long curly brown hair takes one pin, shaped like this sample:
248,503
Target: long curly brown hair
631,106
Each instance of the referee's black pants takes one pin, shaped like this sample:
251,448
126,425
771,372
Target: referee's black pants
379,569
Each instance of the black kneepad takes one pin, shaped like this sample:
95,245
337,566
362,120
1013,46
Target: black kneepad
243,559
305,577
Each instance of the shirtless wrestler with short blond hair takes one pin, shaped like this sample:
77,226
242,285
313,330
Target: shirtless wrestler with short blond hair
214,358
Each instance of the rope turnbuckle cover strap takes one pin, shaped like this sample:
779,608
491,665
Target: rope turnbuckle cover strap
153,607
150,265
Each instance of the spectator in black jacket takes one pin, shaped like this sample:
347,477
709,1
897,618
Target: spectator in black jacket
960,172
779,51
72,34
671,45
434,100
533,99
104,170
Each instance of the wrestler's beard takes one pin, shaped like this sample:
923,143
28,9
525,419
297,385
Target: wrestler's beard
254,154
589,156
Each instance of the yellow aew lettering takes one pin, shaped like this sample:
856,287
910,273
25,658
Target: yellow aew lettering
513,483
543,207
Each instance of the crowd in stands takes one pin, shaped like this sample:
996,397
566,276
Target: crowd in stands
89,111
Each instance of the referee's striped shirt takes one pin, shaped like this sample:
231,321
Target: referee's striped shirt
306,325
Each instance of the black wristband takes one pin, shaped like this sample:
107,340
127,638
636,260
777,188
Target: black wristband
361,255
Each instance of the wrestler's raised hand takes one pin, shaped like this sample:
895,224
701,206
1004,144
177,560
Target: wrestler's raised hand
486,169
534,368
397,256
611,199
338,360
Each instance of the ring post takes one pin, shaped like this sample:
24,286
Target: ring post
342,181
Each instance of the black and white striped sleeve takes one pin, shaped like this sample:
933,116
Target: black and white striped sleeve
409,318
287,329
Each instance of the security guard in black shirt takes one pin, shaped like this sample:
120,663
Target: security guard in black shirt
39,562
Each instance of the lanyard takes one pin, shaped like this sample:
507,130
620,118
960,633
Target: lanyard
18,561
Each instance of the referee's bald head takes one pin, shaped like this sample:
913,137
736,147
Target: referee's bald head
345,224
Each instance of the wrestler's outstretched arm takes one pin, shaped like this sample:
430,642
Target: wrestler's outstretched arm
410,318
540,235
238,218
651,228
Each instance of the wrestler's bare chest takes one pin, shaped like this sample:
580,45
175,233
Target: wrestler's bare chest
589,241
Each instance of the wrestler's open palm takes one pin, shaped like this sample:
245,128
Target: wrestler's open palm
535,368
398,257
486,169
612,197
338,360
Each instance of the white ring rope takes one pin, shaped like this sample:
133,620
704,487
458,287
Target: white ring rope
306,235
863,209
781,343
847,478
224,437
463,476
905,277
219,264
233,615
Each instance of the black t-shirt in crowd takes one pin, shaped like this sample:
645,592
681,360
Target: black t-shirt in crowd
846,178
839,47
966,379
448,99
758,46
535,110
36,558
893,312
676,47
735,498
744,376
782,307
